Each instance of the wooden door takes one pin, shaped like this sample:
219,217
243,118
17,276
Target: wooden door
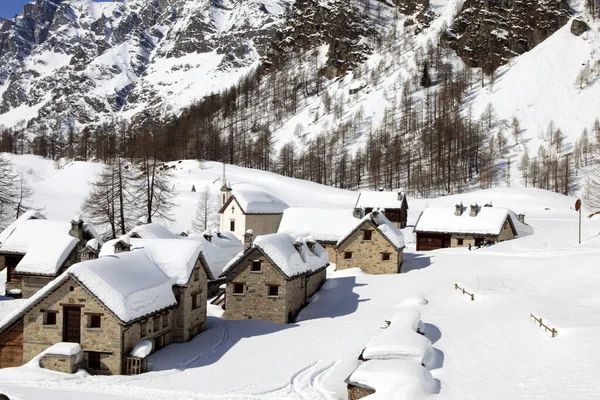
11,346
72,324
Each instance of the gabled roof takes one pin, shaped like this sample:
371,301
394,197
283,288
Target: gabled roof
130,285
324,224
280,250
151,231
31,214
45,244
215,256
381,199
388,230
256,202
488,221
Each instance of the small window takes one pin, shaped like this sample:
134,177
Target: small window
71,288
50,318
196,300
459,242
232,226
385,256
223,199
367,234
144,328
238,288
273,290
165,319
347,255
197,274
255,266
94,321
156,321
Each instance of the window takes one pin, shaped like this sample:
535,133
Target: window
255,266
273,290
223,202
385,256
156,321
232,209
197,274
50,318
238,288
196,300
459,241
144,328
94,360
232,225
94,321
347,255
367,234
165,320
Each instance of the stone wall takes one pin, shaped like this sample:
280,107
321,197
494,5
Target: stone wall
295,296
133,334
254,303
506,233
331,253
263,224
315,281
367,254
467,239
106,339
356,392
32,283
61,363
188,322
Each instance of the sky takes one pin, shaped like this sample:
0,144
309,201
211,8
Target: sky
8,8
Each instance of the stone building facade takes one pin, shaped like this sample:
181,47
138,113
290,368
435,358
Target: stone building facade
190,314
369,249
257,288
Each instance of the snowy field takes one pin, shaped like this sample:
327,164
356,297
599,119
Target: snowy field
486,349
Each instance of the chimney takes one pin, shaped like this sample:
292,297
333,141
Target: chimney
76,228
375,216
311,243
521,218
474,210
298,245
248,239
458,209
123,244
207,235
400,196
358,213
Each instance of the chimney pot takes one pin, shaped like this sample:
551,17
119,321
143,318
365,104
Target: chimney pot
458,209
248,239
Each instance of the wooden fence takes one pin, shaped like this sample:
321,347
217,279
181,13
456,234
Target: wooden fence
464,291
539,321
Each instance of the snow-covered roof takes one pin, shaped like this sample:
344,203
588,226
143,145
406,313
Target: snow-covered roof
488,221
129,284
227,242
327,225
31,214
45,243
280,249
395,379
215,256
152,231
176,257
258,202
382,225
400,341
379,199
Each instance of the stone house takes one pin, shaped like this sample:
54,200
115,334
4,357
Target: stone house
442,227
110,304
274,277
242,210
325,225
35,251
374,244
394,204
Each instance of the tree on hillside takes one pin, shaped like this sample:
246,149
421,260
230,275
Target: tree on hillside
154,190
110,203
516,129
15,194
591,196
206,211
425,78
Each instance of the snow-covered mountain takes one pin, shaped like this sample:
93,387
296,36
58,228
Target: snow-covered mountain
78,62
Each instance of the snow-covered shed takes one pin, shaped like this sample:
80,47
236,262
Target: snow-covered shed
395,205
107,305
273,277
374,244
36,250
441,227
326,225
250,209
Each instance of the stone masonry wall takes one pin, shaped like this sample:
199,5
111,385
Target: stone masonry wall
366,254
295,296
60,363
133,334
331,254
315,281
31,284
188,321
38,337
356,392
506,233
263,224
254,303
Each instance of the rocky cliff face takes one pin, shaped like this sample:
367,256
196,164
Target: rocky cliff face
76,62
487,33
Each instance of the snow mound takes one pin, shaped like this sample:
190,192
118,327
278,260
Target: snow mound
142,349
413,301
